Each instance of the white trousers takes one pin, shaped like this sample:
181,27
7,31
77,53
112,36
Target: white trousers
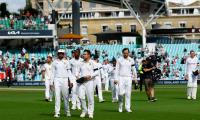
115,89
75,99
192,86
87,89
192,80
192,92
125,88
97,82
106,81
61,87
48,91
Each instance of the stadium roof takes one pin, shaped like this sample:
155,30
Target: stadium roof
117,3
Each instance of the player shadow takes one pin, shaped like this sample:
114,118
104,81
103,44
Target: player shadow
180,98
46,114
62,115
140,100
110,110
41,100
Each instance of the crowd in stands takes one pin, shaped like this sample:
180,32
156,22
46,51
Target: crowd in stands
23,65
25,22
27,65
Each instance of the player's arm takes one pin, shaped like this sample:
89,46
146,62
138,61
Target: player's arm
71,76
134,74
43,73
116,73
186,75
52,74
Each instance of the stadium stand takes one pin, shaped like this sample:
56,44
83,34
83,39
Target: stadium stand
24,23
26,64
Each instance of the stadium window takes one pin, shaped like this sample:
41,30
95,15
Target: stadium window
133,28
191,11
182,24
92,14
182,11
119,28
107,14
104,28
58,5
113,14
66,4
127,13
81,4
92,5
168,24
176,11
153,24
84,30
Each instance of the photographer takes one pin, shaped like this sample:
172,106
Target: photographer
148,68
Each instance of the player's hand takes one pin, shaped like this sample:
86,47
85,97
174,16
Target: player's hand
116,82
51,87
88,77
70,85
186,77
136,82
153,68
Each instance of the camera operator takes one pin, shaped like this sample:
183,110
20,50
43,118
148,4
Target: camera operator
148,68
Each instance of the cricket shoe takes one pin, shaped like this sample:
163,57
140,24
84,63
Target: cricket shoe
56,115
129,110
68,114
73,107
189,98
83,114
101,101
120,108
91,116
114,100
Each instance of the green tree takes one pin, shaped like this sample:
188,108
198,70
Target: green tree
3,10
29,9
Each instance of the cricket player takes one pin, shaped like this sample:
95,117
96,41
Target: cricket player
61,77
87,87
75,63
191,66
114,85
125,73
46,76
105,70
97,81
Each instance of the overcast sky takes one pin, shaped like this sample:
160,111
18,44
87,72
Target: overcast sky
14,5
182,1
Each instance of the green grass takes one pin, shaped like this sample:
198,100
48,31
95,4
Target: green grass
171,105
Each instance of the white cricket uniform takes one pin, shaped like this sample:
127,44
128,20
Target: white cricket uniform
114,87
61,75
87,88
47,68
124,74
75,66
97,80
191,65
106,79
